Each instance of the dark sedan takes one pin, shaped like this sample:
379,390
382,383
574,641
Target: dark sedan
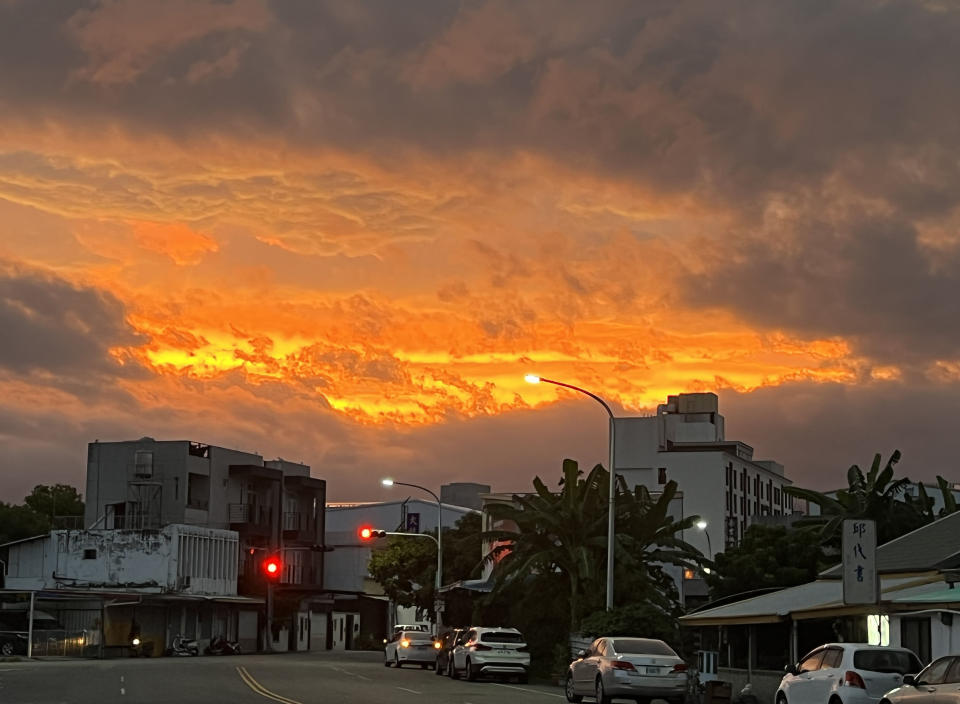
446,641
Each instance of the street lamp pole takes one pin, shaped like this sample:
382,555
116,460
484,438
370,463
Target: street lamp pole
439,580
612,494
702,525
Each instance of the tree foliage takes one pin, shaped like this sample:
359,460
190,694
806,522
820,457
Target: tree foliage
34,516
876,496
55,500
406,567
768,556
565,533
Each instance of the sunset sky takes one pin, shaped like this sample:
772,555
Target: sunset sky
342,232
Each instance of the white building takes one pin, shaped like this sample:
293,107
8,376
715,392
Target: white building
180,559
719,478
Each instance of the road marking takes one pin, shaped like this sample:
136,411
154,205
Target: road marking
362,677
260,689
412,691
123,691
531,691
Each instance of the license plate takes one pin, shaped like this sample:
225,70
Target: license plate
504,652
652,670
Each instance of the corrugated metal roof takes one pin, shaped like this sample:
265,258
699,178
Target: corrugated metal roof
929,547
776,606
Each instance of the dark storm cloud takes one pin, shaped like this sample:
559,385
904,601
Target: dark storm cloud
865,278
818,430
54,327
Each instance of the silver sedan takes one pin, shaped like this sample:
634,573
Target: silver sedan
937,683
631,668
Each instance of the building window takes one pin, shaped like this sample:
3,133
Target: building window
662,475
198,491
144,463
90,554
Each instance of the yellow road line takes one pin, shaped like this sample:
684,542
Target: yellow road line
260,689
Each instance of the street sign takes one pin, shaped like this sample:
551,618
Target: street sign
413,522
861,584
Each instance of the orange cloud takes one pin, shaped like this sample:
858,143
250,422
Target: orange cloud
177,241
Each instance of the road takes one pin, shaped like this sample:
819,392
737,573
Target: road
301,678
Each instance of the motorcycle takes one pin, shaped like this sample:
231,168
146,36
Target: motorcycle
183,647
222,646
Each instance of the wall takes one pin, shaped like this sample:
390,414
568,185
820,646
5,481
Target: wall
149,560
764,683
387,516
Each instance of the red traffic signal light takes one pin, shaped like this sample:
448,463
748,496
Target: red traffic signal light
368,533
272,567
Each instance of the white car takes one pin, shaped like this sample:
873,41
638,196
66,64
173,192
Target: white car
846,673
482,651
629,668
410,648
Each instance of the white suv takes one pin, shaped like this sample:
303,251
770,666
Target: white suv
483,651
846,673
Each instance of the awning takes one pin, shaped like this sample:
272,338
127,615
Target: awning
470,585
820,599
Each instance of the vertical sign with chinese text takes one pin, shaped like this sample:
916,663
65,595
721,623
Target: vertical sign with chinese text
861,584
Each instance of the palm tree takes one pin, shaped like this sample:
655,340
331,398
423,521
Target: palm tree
872,496
555,532
565,533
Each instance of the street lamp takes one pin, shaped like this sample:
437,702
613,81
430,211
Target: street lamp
612,498
390,482
702,525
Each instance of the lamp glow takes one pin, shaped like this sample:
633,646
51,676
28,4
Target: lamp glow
386,482
532,379
702,525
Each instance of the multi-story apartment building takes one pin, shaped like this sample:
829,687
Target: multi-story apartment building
273,505
720,479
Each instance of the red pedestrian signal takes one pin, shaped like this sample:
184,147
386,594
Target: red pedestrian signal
272,567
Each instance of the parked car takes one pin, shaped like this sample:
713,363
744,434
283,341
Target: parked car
411,627
482,651
627,668
937,683
409,647
846,673
444,648
14,629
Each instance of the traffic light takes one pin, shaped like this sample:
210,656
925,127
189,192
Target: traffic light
272,567
368,533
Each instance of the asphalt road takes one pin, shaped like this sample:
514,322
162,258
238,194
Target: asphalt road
302,678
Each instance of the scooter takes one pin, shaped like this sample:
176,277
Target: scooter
183,647
222,646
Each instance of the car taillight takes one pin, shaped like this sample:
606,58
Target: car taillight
437,644
853,679
680,667
404,643
481,646
623,665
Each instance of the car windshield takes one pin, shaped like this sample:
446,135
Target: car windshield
641,646
501,637
884,660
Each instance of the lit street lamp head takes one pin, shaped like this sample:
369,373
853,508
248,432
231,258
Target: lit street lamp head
532,379
386,482
701,524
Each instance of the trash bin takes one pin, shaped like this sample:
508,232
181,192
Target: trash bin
717,692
